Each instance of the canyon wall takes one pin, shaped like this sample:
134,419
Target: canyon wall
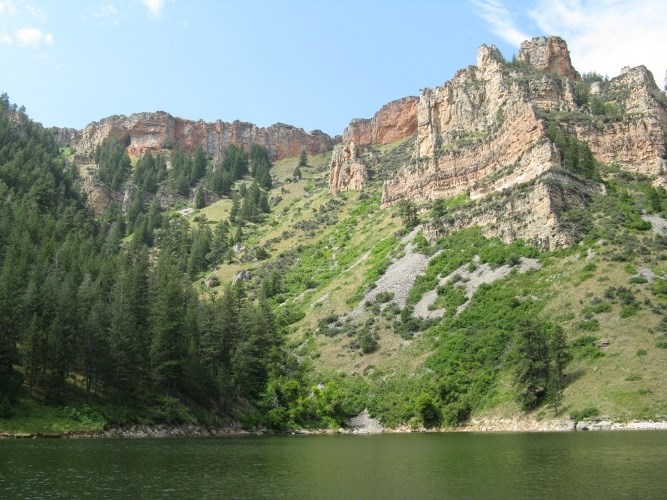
143,132
394,121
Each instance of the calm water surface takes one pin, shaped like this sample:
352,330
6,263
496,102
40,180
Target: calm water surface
561,465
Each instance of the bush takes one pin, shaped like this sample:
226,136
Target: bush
592,325
586,348
427,410
584,414
367,342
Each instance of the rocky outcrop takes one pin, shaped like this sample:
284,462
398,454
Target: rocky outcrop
548,54
486,129
347,171
394,121
143,132
636,141
479,133
532,212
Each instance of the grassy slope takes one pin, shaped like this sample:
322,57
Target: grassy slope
624,382
341,259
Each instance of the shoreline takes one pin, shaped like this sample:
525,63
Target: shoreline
161,431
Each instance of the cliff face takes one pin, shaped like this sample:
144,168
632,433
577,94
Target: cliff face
548,54
485,130
531,212
347,172
480,133
635,140
143,132
394,121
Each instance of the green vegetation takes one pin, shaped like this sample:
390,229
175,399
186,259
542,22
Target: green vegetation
133,317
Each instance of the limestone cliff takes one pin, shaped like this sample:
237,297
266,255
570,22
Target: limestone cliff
548,54
485,130
394,121
347,171
142,132
532,212
480,133
630,128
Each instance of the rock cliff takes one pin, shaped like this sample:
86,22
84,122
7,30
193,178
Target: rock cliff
532,212
548,54
486,129
394,121
142,132
629,130
480,132
347,172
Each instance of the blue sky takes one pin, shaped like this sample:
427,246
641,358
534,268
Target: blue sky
312,64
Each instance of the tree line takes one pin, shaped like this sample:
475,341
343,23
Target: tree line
81,306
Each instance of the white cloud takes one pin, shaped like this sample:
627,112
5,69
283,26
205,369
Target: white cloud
105,10
5,39
501,20
605,35
154,7
36,13
33,38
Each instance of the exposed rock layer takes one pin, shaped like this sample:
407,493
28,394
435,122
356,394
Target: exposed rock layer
143,132
531,212
485,130
394,121
346,172
548,54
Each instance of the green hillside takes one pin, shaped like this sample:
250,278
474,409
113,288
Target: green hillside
275,304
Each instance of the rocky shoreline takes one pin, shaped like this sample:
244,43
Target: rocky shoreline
359,425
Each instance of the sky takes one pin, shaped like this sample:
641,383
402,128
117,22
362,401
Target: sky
313,64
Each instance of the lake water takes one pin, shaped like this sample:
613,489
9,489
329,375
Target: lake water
411,466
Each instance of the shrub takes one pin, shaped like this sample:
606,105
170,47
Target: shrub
586,347
367,342
591,325
584,414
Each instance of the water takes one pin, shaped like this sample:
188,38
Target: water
410,466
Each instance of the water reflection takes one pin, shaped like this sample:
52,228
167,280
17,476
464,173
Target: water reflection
577,465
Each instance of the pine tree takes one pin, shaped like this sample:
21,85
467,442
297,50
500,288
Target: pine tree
559,355
234,211
200,198
168,345
532,369
219,243
303,159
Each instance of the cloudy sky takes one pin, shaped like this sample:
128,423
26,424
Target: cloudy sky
312,64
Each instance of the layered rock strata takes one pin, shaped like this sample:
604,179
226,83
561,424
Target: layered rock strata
486,129
394,121
532,212
636,140
548,54
143,132
479,133
347,171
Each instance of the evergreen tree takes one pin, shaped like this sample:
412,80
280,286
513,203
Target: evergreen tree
200,198
407,211
199,164
201,247
559,356
303,159
532,369
235,209
168,345
219,243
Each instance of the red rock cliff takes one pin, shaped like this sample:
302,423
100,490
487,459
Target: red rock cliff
142,132
394,121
